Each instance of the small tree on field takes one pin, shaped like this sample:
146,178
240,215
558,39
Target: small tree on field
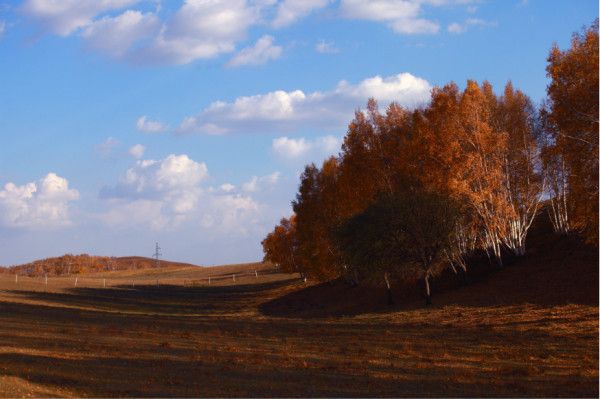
404,234
281,246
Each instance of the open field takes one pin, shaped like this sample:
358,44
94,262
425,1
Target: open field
172,276
515,333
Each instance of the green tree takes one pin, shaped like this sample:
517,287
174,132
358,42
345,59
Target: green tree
404,235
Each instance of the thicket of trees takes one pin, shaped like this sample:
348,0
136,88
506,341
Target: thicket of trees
415,191
75,264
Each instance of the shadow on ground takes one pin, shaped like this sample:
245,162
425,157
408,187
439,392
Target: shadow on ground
556,271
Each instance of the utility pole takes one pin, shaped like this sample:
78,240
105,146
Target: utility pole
156,256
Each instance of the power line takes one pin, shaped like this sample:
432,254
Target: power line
156,256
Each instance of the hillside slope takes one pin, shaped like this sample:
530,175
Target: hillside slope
80,264
556,270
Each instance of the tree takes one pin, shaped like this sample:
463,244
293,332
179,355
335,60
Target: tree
573,103
516,118
315,208
556,175
404,234
281,247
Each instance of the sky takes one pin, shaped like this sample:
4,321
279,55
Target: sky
188,123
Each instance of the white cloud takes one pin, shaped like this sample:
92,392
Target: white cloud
281,110
106,148
2,28
147,178
293,148
457,28
115,36
137,151
42,204
172,182
258,183
66,16
199,29
302,149
402,16
263,51
227,187
325,47
166,193
227,214
415,26
146,125
289,11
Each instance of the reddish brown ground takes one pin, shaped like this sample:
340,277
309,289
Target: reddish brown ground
530,329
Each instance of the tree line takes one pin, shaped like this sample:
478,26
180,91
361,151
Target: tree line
70,264
413,192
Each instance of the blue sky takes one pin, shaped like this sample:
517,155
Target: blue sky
126,122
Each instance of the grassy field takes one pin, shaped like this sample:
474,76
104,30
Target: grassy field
530,329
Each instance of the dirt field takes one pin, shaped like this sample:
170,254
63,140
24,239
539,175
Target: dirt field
515,333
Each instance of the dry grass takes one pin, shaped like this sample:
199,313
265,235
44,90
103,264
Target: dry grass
487,339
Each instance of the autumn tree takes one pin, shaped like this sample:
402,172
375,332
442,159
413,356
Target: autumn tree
516,118
316,207
573,106
280,247
556,175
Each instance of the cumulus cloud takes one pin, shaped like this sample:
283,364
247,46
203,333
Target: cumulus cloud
287,110
289,11
231,214
292,148
303,149
170,185
137,151
199,29
66,16
146,125
166,193
402,16
263,51
41,204
115,36
258,183
152,179
227,187
458,28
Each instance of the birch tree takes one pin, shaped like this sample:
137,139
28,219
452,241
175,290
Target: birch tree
516,118
573,104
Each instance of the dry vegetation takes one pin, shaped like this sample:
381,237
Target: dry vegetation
530,329
69,264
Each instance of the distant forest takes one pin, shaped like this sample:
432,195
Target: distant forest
78,264
414,192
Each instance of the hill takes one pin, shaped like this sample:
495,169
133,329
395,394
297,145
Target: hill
81,264
556,269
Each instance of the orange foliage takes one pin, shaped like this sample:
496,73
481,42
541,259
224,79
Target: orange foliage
573,95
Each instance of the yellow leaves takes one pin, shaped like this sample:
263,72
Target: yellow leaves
573,94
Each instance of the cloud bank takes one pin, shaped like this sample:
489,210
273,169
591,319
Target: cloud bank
289,110
41,204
